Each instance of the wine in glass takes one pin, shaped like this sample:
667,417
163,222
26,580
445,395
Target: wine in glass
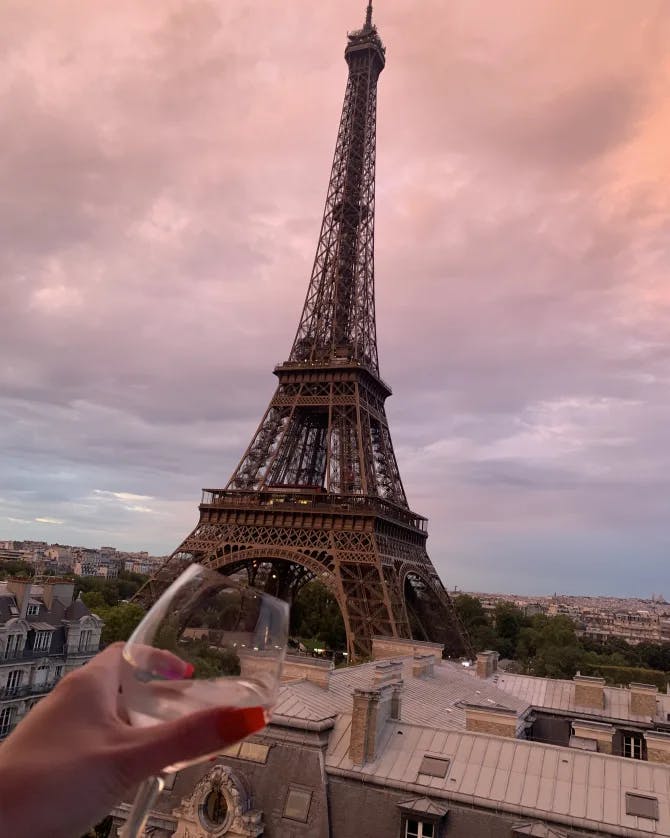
207,642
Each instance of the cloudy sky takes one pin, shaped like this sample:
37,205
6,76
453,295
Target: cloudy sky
163,168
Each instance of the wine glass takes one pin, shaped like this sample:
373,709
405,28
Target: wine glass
206,642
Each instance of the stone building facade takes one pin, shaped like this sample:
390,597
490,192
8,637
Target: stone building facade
44,634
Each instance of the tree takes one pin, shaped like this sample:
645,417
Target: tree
508,620
316,615
16,568
119,620
476,621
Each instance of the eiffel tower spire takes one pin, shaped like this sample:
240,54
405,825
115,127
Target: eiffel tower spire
338,318
318,494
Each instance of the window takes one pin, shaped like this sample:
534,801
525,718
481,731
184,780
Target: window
12,648
33,610
434,766
14,682
85,640
632,746
6,719
214,811
296,806
419,829
642,806
58,674
42,641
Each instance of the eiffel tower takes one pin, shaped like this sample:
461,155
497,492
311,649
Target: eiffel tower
317,494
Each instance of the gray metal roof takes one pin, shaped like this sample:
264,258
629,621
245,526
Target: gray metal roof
529,779
439,701
558,695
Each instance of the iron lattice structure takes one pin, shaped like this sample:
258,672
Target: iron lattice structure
318,493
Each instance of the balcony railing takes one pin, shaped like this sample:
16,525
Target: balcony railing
8,693
34,654
313,501
80,653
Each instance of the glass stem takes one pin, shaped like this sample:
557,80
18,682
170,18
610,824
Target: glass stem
139,811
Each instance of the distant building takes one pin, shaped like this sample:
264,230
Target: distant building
44,634
636,627
411,746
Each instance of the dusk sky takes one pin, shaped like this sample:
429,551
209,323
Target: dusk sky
163,170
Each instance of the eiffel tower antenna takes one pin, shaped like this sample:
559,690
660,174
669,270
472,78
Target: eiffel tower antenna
368,16
318,494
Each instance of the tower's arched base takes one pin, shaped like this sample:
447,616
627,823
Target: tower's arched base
377,570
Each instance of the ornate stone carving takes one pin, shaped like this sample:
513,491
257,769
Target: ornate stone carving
240,820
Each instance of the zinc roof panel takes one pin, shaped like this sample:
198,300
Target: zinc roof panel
596,773
520,759
530,791
535,759
471,777
479,748
403,751
561,803
643,777
492,754
506,755
564,767
484,781
549,764
499,784
580,769
578,795
595,803
514,787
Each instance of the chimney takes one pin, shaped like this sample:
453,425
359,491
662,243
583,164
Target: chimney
589,691
643,699
487,664
500,721
21,589
596,732
396,702
371,710
393,647
316,670
57,589
422,666
658,746
387,672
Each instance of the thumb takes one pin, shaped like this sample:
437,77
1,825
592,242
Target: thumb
196,735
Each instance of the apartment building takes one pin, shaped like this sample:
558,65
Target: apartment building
44,634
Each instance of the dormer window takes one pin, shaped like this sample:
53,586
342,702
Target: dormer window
33,610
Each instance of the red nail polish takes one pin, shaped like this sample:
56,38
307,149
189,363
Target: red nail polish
189,670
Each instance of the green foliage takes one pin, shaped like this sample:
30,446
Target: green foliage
15,568
316,615
549,646
209,662
625,675
113,591
119,620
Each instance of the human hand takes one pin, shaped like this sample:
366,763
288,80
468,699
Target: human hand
75,757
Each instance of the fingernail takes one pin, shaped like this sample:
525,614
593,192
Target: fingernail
190,669
234,724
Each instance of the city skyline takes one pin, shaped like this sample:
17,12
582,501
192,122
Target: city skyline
159,241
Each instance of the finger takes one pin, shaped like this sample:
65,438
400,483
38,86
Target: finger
194,736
